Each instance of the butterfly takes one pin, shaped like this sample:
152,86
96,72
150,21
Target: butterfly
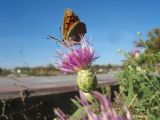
72,29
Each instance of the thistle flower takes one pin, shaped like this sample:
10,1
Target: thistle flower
106,112
77,58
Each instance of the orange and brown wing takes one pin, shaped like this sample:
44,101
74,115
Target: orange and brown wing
70,19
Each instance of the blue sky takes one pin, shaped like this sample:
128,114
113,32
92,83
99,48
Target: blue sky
112,24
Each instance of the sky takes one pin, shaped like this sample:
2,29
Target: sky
112,25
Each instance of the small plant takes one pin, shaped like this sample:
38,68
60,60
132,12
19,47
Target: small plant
140,85
98,110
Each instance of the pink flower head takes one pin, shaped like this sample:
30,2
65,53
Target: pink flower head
135,53
77,58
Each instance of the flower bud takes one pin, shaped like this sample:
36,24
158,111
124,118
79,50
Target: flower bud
87,80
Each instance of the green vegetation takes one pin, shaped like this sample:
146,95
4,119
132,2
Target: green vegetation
4,72
51,70
139,83
151,47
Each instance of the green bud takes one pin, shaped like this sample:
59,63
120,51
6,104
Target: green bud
87,80
139,33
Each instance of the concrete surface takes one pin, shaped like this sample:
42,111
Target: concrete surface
15,87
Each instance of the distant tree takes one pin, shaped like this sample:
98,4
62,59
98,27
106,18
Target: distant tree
153,41
109,66
50,67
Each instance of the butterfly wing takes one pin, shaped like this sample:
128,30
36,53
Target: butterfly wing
70,18
79,28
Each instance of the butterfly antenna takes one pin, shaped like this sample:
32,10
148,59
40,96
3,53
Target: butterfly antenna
53,38
56,39
63,43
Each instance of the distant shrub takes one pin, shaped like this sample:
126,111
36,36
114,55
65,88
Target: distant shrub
4,72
